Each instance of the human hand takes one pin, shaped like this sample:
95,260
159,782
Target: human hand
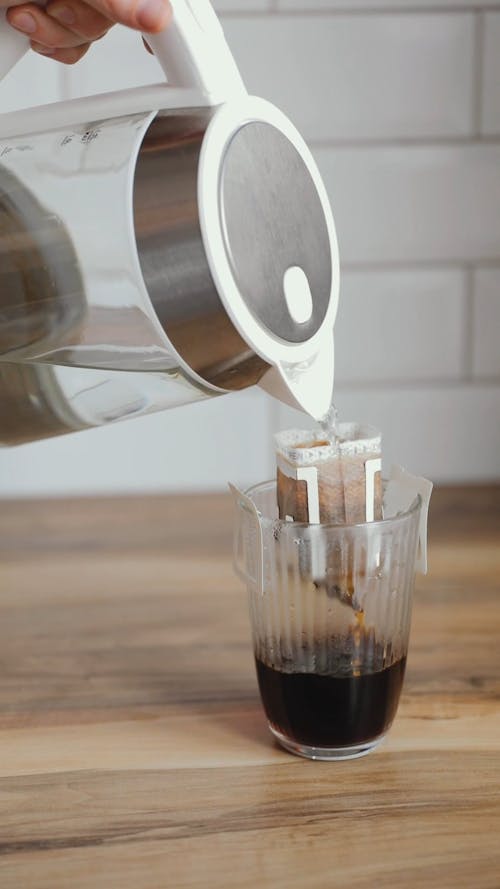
64,29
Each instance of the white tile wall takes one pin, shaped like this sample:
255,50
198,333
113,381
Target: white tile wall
401,325
242,5
486,342
315,69
376,5
425,203
400,99
491,74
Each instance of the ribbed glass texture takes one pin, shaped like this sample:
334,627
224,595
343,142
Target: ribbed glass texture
328,600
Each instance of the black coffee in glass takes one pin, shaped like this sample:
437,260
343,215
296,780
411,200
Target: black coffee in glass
348,701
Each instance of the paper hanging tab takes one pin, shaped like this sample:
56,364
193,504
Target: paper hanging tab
240,551
400,492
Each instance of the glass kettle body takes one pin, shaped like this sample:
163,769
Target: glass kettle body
160,246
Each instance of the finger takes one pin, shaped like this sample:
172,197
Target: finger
151,16
41,28
66,56
79,17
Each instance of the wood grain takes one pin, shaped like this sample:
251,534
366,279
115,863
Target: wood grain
133,749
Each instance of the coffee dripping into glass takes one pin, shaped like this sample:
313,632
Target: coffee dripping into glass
160,246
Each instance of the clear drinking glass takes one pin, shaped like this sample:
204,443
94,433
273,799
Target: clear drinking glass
330,609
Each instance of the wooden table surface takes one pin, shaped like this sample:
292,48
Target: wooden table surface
133,749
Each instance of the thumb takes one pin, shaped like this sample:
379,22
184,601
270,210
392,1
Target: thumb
151,16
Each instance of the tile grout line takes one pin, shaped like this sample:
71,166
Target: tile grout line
418,265
274,9
425,141
411,383
468,331
477,87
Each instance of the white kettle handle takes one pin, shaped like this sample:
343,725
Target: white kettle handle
13,45
192,51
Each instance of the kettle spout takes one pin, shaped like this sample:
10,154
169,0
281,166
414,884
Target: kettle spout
305,386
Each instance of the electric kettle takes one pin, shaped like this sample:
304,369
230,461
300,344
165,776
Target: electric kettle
160,245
